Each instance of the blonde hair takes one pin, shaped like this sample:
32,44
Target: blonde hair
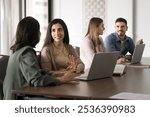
93,30
93,27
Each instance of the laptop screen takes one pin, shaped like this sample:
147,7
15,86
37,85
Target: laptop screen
137,54
102,66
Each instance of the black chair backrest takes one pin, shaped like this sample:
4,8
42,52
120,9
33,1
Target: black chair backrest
3,67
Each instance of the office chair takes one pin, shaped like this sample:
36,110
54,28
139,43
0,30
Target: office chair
3,67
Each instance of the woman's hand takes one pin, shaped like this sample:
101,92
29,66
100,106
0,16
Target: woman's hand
73,63
58,73
67,77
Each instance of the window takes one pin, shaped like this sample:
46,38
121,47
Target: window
39,10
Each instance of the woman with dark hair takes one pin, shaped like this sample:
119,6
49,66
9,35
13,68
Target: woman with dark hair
23,67
93,42
57,55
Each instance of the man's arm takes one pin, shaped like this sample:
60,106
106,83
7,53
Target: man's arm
110,44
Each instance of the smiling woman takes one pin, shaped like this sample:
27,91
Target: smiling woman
57,55
27,70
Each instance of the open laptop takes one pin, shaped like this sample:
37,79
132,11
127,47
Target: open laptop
102,66
137,54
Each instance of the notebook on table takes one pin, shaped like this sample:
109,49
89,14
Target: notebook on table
102,66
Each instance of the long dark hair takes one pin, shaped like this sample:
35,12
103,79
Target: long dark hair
27,33
49,39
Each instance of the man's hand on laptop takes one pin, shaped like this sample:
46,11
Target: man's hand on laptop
140,41
128,57
121,60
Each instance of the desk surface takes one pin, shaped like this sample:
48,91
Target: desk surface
135,80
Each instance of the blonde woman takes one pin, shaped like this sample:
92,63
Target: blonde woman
93,42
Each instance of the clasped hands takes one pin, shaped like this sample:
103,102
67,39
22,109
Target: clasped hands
71,71
73,65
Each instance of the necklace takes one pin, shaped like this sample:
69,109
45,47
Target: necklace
59,49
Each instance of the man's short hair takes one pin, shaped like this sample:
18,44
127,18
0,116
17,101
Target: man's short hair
120,19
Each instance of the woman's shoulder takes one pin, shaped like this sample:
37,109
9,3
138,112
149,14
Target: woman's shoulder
27,50
25,53
85,40
27,47
87,37
68,45
47,47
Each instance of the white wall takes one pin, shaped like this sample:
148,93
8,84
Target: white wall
143,23
119,8
71,12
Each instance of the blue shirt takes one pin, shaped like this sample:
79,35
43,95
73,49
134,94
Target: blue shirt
113,43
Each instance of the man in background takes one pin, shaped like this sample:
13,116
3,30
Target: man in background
119,41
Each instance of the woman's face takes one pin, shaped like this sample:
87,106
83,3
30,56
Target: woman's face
101,28
57,32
